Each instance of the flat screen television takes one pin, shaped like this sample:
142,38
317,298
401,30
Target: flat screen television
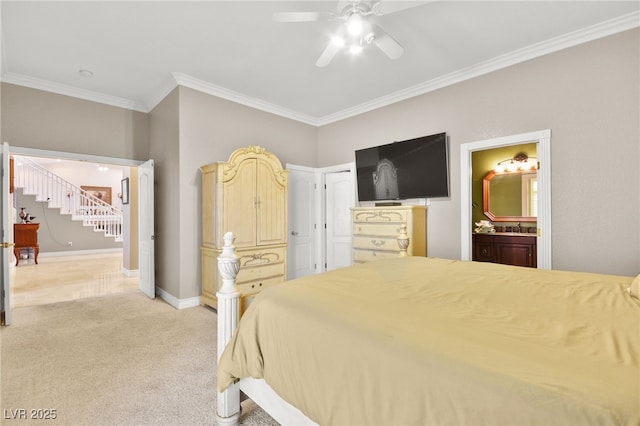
414,168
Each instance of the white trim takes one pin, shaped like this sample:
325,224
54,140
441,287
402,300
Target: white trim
320,240
32,152
130,272
543,139
63,89
584,35
230,95
167,87
175,302
79,252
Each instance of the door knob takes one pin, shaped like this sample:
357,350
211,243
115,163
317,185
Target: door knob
294,233
7,245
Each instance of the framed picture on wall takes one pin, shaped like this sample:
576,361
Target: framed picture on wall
101,192
125,190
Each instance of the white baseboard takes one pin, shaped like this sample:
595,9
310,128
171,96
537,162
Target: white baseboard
177,303
130,272
79,252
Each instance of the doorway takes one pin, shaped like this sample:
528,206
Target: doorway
319,218
543,141
78,259
140,210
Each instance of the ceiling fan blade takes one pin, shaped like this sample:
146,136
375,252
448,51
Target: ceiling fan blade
383,7
302,16
328,54
387,44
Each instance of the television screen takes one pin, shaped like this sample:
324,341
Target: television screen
415,168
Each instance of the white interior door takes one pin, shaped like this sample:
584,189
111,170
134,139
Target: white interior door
339,198
146,244
301,253
6,235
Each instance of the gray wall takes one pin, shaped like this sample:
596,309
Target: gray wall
164,133
56,230
189,129
41,120
210,129
587,95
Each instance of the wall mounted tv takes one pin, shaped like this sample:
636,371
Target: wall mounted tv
414,168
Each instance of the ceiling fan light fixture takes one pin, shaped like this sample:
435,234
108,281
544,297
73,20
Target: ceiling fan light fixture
355,24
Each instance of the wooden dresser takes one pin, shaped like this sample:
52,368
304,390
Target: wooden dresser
246,195
508,249
375,231
25,235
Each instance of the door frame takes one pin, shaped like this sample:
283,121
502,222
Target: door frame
319,233
543,140
7,239
32,152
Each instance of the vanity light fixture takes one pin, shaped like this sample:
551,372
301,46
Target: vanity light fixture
102,168
519,163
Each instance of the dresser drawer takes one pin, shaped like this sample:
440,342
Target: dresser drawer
380,215
254,273
254,287
375,243
371,255
261,256
377,229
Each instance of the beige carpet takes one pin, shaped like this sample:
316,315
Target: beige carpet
120,359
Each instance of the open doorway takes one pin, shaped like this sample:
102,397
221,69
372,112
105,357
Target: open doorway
77,258
542,139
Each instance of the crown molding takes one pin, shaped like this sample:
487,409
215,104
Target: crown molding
603,29
62,89
162,92
610,27
230,95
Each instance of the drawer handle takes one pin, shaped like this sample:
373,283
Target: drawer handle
378,242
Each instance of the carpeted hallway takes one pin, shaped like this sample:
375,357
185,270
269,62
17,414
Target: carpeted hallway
119,359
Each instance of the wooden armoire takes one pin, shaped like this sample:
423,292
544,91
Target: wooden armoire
246,195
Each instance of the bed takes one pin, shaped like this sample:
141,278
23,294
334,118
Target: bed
415,341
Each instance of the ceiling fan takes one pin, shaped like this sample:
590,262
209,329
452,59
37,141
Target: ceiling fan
358,30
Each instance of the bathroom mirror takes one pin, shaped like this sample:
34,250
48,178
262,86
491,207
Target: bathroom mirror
510,197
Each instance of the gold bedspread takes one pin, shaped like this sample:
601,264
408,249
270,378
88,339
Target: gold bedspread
424,341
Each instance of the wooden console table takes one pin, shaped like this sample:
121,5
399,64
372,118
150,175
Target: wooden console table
25,235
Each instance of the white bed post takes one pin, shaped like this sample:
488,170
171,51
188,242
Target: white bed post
228,412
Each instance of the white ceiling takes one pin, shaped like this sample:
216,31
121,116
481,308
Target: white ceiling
139,50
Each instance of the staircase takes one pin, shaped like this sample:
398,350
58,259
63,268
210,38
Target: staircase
68,198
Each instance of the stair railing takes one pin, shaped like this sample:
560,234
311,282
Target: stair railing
70,199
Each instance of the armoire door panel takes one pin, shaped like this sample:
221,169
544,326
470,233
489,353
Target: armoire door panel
271,208
240,205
